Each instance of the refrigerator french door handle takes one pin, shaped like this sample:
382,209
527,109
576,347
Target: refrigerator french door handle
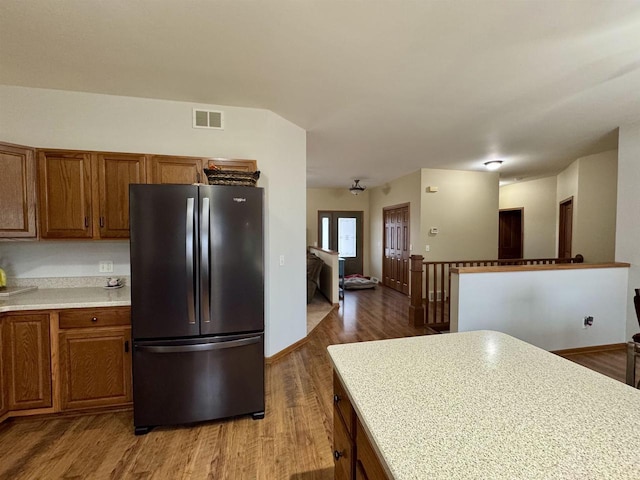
205,287
191,298
200,347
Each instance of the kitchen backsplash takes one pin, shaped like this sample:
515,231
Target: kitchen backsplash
46,259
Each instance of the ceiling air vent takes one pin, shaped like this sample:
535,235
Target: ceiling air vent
208,119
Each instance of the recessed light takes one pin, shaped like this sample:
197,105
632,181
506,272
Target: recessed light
493,164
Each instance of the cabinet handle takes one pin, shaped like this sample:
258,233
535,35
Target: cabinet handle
86,222
101,222
336,398
94,319
337,455
126,346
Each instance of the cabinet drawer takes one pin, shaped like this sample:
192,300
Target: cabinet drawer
343,405
343,457
95,317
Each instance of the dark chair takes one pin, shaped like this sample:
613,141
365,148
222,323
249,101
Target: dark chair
633,348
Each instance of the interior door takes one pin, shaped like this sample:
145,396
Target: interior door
342,232
510,243
396,251
565,228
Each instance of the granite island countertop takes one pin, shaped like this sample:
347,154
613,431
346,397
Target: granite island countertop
486,405
57,298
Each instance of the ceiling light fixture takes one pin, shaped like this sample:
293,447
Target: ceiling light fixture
493,164
356,188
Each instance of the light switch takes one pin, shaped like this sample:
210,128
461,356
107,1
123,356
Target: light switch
281,260
427,248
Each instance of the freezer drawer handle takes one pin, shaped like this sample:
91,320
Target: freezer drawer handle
201,347
191,308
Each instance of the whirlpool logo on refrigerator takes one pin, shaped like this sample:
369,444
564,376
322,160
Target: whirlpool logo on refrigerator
239,199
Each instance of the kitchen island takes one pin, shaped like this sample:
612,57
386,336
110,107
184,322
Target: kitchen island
479,405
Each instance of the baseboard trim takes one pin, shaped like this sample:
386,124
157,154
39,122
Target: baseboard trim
286,351
592,349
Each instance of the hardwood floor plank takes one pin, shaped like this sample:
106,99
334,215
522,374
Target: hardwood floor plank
292,442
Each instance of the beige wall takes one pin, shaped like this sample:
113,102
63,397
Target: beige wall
338,199
465,211
567,187
592,182
538,198
628,206
401,190
594,233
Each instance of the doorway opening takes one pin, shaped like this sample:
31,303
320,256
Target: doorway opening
511,233
565,228
342,233
396,251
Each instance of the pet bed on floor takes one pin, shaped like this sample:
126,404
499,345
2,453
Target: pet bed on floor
359,283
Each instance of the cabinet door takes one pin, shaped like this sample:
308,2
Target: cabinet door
115,173
65,194
17,192
27,361
166,169
95,367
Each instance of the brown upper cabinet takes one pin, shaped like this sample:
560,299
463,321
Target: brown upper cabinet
115,172
65,194
17,192
86,194
169,169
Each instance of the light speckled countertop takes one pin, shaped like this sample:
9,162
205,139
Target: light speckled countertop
55,298
485,405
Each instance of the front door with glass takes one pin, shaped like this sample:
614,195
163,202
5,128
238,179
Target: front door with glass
342,233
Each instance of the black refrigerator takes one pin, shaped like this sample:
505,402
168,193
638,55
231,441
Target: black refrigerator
197,303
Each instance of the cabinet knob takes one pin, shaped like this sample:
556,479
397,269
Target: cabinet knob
336,398
337,454
94,319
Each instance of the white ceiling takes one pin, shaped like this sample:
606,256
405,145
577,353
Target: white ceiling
382,87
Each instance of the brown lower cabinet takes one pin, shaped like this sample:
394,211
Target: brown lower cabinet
354,457
27,361
88,361
95,367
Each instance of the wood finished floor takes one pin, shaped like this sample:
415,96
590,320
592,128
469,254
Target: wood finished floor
292,442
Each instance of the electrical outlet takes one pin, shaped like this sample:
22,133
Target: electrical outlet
427,248
588,322
281,260
105,266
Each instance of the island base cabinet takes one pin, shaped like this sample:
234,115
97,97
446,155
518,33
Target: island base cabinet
27,361
343,450
354,457
95,367
367,464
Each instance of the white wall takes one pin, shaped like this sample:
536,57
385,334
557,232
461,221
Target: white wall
73,120
628,214
538,198
546,307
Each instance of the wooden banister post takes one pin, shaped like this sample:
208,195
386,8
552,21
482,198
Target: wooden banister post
416,309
